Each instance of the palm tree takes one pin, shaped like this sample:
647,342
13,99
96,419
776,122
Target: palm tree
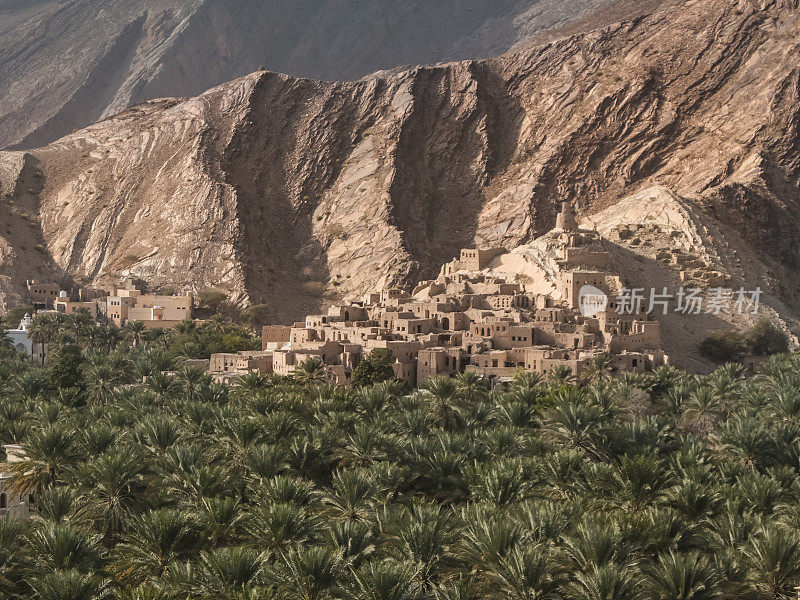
189,350
703,412
219,521
354,541
247,386
240,434
502,483
605,582
117,486
526,379
351,495
683,577
384,580
15,557
134,332
216,323
226,573
158,432
527,574
364,446
309,371
576,426
158,336
6,347
58,504
49,452
108,336
423,539
151,360
194,380
694,500
745,439
773,560
43,330
726,382
63,546
470,387
309,572
488,538
277,527
639,481
154,541
164,386
186,326
30,386
99,438
561,375
69,585
597,543
79,320
101,381
444,413
598,368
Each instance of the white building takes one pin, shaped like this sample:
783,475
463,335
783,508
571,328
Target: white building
22,342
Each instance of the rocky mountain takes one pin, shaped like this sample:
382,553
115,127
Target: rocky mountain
294,192
65,64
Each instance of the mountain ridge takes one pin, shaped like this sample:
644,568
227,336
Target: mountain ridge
293,192
67,63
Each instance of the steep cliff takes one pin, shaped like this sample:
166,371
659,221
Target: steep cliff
292,192
64,64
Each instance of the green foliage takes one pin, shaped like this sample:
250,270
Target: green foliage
258,315
763,339
14,315
376,367
211,299
191,341
723,346
66,366
153,482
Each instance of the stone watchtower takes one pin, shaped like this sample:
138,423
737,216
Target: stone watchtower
566,220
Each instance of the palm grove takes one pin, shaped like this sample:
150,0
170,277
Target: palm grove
153,482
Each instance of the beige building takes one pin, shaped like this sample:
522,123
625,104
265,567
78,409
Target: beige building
42,292
239,363
275,336
66,306
566,220
443,360
128,303
471,259
468,320
13,505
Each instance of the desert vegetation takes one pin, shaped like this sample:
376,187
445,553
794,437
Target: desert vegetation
152,482
762,339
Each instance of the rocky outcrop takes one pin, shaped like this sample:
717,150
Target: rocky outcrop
292,192
65,64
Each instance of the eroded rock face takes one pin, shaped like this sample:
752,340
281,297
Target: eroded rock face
65,64
290,192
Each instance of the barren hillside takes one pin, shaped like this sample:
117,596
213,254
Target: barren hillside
293,192
64,64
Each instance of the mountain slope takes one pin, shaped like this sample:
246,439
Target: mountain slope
293,192
67,63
